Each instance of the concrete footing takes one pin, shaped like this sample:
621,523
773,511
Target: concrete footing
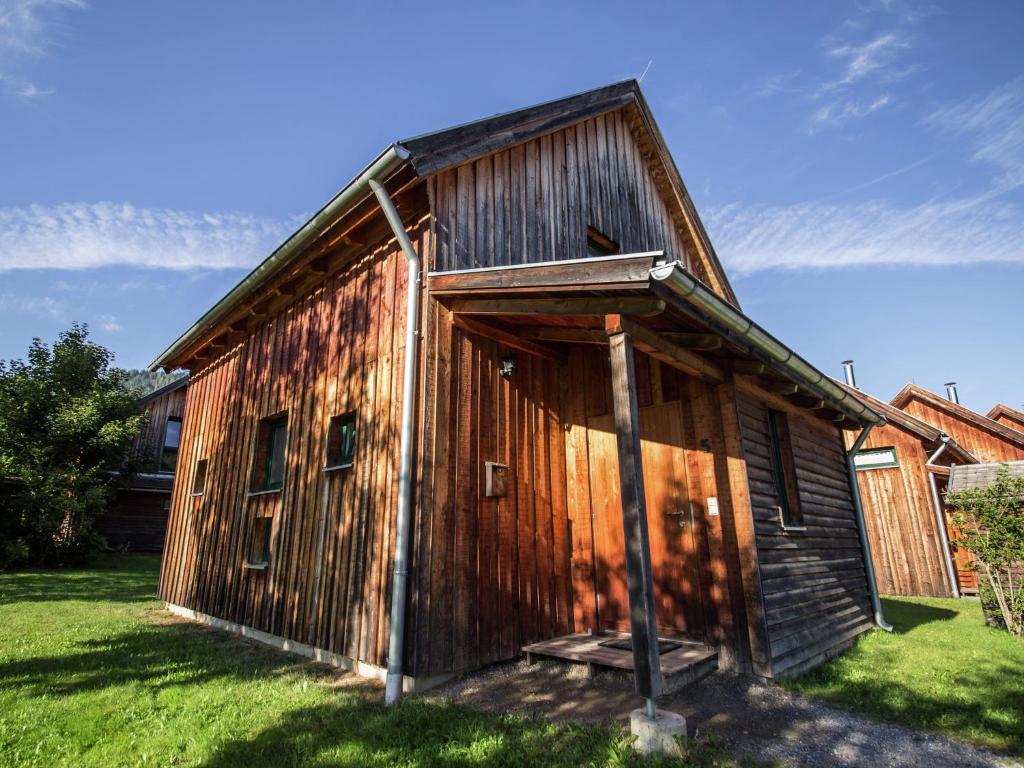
657,736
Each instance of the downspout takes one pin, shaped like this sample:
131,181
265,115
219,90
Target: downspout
400,583
940,519
862,530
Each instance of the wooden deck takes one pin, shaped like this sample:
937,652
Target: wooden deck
680,666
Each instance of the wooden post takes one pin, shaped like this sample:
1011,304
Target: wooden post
642,620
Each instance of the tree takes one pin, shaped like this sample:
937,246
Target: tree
991,521
67,418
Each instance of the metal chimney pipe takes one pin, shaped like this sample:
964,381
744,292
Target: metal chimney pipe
951,393
851,380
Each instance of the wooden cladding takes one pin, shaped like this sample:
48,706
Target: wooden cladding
534,202
814,585
149,446
336,350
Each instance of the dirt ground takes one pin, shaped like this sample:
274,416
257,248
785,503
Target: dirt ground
751,717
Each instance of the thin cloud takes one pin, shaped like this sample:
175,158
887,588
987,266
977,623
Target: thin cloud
860,61
109,323
28,30
88,235
44,306
845,110
820,235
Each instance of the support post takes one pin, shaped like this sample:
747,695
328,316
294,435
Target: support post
642,619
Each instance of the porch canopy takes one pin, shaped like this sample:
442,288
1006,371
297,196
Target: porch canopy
626,302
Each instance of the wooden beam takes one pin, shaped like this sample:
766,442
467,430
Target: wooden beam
597,274
749,367
780,387
702,341
633,305
469,325
642,617
654,345
806,401
556,333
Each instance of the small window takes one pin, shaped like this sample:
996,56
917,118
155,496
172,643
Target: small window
784,467
172,440
271,453
341,441
875,458
600,245
259,543
199,479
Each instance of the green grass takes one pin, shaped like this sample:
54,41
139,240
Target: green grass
942,670
94,673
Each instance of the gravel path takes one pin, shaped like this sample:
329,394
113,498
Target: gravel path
752,717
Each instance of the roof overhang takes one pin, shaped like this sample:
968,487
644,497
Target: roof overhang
673,316
932,400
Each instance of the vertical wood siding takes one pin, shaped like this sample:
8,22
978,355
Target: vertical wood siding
900,516
814,583
984,445
533,202
338,349
150,442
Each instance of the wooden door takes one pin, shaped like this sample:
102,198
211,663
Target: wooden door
669,520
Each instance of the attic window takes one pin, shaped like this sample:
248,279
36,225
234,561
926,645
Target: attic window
269,465
599,244
341,441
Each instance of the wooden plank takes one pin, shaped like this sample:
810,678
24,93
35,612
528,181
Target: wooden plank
639,306
622,272
643,619
650,342
488,331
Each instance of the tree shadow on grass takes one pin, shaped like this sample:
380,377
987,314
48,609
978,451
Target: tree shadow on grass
158,656
127,579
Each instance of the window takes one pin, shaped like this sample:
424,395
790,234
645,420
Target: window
172,439
269,466
784,468
259,543
600,245
341,441
199,479
875,458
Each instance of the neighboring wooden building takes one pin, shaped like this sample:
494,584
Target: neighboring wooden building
987,440
1007,416
139,520
902,471
597,426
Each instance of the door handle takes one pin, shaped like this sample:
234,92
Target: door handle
681,514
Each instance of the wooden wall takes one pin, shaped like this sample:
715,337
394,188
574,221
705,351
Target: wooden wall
149,444
138,521
336,349
533,202
900,516
814,585
983,444
1011,420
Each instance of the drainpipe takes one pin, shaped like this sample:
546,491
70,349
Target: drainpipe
400,583
862,530
940,518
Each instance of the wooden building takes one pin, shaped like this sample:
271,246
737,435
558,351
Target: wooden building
138,522
1007,416
987,440
902,471
599,439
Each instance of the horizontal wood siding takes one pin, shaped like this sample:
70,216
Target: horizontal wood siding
814,584
533,202
492,572
900,515
339,348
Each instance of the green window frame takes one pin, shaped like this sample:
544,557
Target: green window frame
275,453
342,435
784,467
867,459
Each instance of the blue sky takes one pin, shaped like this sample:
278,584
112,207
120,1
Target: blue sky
860,166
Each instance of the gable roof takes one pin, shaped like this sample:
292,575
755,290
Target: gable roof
912,391
432,152
1006,412
915,426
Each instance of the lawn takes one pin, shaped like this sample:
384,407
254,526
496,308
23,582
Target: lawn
94,673
942,670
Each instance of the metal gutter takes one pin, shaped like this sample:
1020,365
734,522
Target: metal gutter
862,531
674,276
400,583
940,518
350,195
